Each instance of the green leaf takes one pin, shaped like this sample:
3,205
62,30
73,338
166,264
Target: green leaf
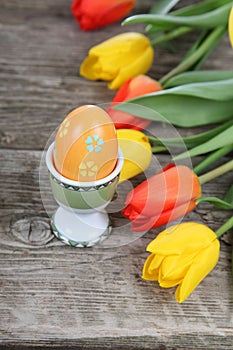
163,6
221,140
212,90
216,17
199,77
182,111
186,105
203,6
191,141
219,203
229,195
194,58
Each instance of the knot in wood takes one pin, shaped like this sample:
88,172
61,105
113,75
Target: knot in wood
32,231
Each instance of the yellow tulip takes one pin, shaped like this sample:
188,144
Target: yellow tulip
230,26
119,58
182,255
136,150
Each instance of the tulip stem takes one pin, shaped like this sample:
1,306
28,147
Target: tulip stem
171,35
216,172
191,60
157,149
225,227
212,158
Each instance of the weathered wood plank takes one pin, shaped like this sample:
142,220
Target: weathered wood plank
51,292
53,296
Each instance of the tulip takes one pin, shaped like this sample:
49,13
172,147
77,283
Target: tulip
119,58
182,255
136,150
166,196
92,14
230,27
140,85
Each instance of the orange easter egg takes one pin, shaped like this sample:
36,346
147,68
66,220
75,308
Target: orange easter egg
86,145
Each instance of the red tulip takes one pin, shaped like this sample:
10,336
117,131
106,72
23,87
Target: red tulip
166,196
92,14
138,86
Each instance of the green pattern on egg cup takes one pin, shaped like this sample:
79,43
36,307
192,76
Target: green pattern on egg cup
79,244
83,198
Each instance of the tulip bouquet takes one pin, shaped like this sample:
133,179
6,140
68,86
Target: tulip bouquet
183,254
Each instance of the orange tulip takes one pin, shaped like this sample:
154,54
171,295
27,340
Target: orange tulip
166,196
92,14
138,86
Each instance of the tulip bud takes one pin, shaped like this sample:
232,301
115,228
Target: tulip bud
165,197
136,151
119,58
92,14
182,255
138,86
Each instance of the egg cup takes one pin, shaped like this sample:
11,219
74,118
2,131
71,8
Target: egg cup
81,219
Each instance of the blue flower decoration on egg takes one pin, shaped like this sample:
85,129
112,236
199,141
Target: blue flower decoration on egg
94,143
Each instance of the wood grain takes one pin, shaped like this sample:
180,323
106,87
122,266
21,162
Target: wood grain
50,292
53,296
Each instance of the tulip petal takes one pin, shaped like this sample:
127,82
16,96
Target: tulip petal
94,14
165,191
203,263
175,267
138,66
92,69
136,150
142,223
186,237
168,283
155,263
149,273
140,85
118,59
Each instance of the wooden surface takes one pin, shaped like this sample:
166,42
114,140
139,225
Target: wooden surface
54,296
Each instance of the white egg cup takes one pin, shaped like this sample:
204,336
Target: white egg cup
81,219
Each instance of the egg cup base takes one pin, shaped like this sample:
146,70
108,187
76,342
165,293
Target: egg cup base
76,229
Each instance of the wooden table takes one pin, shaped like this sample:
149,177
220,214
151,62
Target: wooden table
58,297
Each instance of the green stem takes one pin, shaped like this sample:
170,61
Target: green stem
225,227
212,158
204,34
157,149
216,172
171,35
193,58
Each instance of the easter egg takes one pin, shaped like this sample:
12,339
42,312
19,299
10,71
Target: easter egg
86,145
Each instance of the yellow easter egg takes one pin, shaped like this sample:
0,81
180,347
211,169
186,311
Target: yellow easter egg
86,145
